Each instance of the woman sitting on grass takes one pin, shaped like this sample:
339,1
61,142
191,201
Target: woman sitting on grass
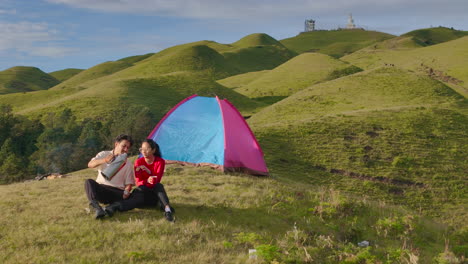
149,171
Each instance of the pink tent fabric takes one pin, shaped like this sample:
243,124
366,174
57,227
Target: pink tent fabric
242,151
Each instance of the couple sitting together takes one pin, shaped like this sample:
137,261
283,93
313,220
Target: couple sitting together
115,188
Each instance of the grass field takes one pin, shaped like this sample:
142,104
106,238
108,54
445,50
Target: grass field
218,219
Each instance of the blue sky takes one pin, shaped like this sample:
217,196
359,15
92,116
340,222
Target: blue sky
58,34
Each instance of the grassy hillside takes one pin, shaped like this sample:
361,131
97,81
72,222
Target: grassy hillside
95,72
382,88
184,59
397,43
25,79
257,52
65,74
251,53
295,75
101,70
162,93
335,43
432,36
172,74
240,80
159,94
386,132
218,219
445,62
137,58
257,39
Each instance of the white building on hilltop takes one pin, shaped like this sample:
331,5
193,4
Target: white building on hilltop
350,24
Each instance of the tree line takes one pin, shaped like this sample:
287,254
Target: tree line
58,142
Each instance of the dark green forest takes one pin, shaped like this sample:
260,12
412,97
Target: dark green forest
58,142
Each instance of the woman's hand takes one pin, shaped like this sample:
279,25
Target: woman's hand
126,194
152,179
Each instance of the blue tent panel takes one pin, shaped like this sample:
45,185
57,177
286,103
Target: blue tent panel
197,116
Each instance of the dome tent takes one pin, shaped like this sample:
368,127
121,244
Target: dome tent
207,131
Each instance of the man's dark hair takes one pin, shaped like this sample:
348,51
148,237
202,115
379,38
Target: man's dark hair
154,146
121,137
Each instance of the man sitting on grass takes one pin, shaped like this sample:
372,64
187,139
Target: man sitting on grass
108,189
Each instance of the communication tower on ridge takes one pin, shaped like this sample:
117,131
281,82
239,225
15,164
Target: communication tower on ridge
309,25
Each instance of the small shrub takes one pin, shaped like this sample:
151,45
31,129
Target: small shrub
136,256
268,252
402,162
362,256
227,244
250,239
337,206
395,226
447,257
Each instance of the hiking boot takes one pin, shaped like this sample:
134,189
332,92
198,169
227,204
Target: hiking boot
112,208
168,216
100,213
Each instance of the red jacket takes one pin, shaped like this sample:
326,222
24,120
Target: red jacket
156,168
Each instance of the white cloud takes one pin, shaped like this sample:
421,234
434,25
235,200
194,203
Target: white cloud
52,52
7,11
36,39
263,9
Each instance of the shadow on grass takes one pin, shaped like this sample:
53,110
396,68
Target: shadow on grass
269,99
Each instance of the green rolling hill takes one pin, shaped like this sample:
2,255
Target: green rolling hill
335,43
414,39
432,36
137,58
296,74
242,79
25,79
100,70
397,43
159,94
109,85
186,58
65,74
251,53
95,72
381,88
446,61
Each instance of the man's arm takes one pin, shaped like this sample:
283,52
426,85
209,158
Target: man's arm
96,162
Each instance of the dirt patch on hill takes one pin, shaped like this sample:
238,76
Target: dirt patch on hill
440,75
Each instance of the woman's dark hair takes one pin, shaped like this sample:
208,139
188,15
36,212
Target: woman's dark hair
121,137
154,146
